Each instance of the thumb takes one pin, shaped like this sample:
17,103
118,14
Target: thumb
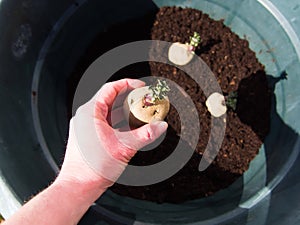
142,136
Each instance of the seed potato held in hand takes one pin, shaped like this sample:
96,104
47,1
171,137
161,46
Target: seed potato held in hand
147,104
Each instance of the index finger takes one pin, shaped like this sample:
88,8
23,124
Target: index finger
107,94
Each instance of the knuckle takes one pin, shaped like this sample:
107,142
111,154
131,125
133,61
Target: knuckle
149,134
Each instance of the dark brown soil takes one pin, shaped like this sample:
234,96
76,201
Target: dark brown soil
237,69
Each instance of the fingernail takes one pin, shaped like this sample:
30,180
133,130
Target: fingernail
137,83
161,124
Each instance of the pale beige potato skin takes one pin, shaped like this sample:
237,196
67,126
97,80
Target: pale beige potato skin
179,54
138,114
215,104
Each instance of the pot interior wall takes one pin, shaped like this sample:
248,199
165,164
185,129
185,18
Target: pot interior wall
39,74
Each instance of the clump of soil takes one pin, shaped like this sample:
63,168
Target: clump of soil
236,69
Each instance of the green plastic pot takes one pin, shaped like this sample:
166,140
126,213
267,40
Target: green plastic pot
40,44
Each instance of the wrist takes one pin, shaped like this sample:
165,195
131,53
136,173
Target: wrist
78,191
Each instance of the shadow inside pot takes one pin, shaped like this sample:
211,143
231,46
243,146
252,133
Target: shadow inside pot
254,103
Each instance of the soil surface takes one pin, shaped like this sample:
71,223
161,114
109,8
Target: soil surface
236,69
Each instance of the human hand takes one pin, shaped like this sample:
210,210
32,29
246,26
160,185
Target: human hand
96,156
96,152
